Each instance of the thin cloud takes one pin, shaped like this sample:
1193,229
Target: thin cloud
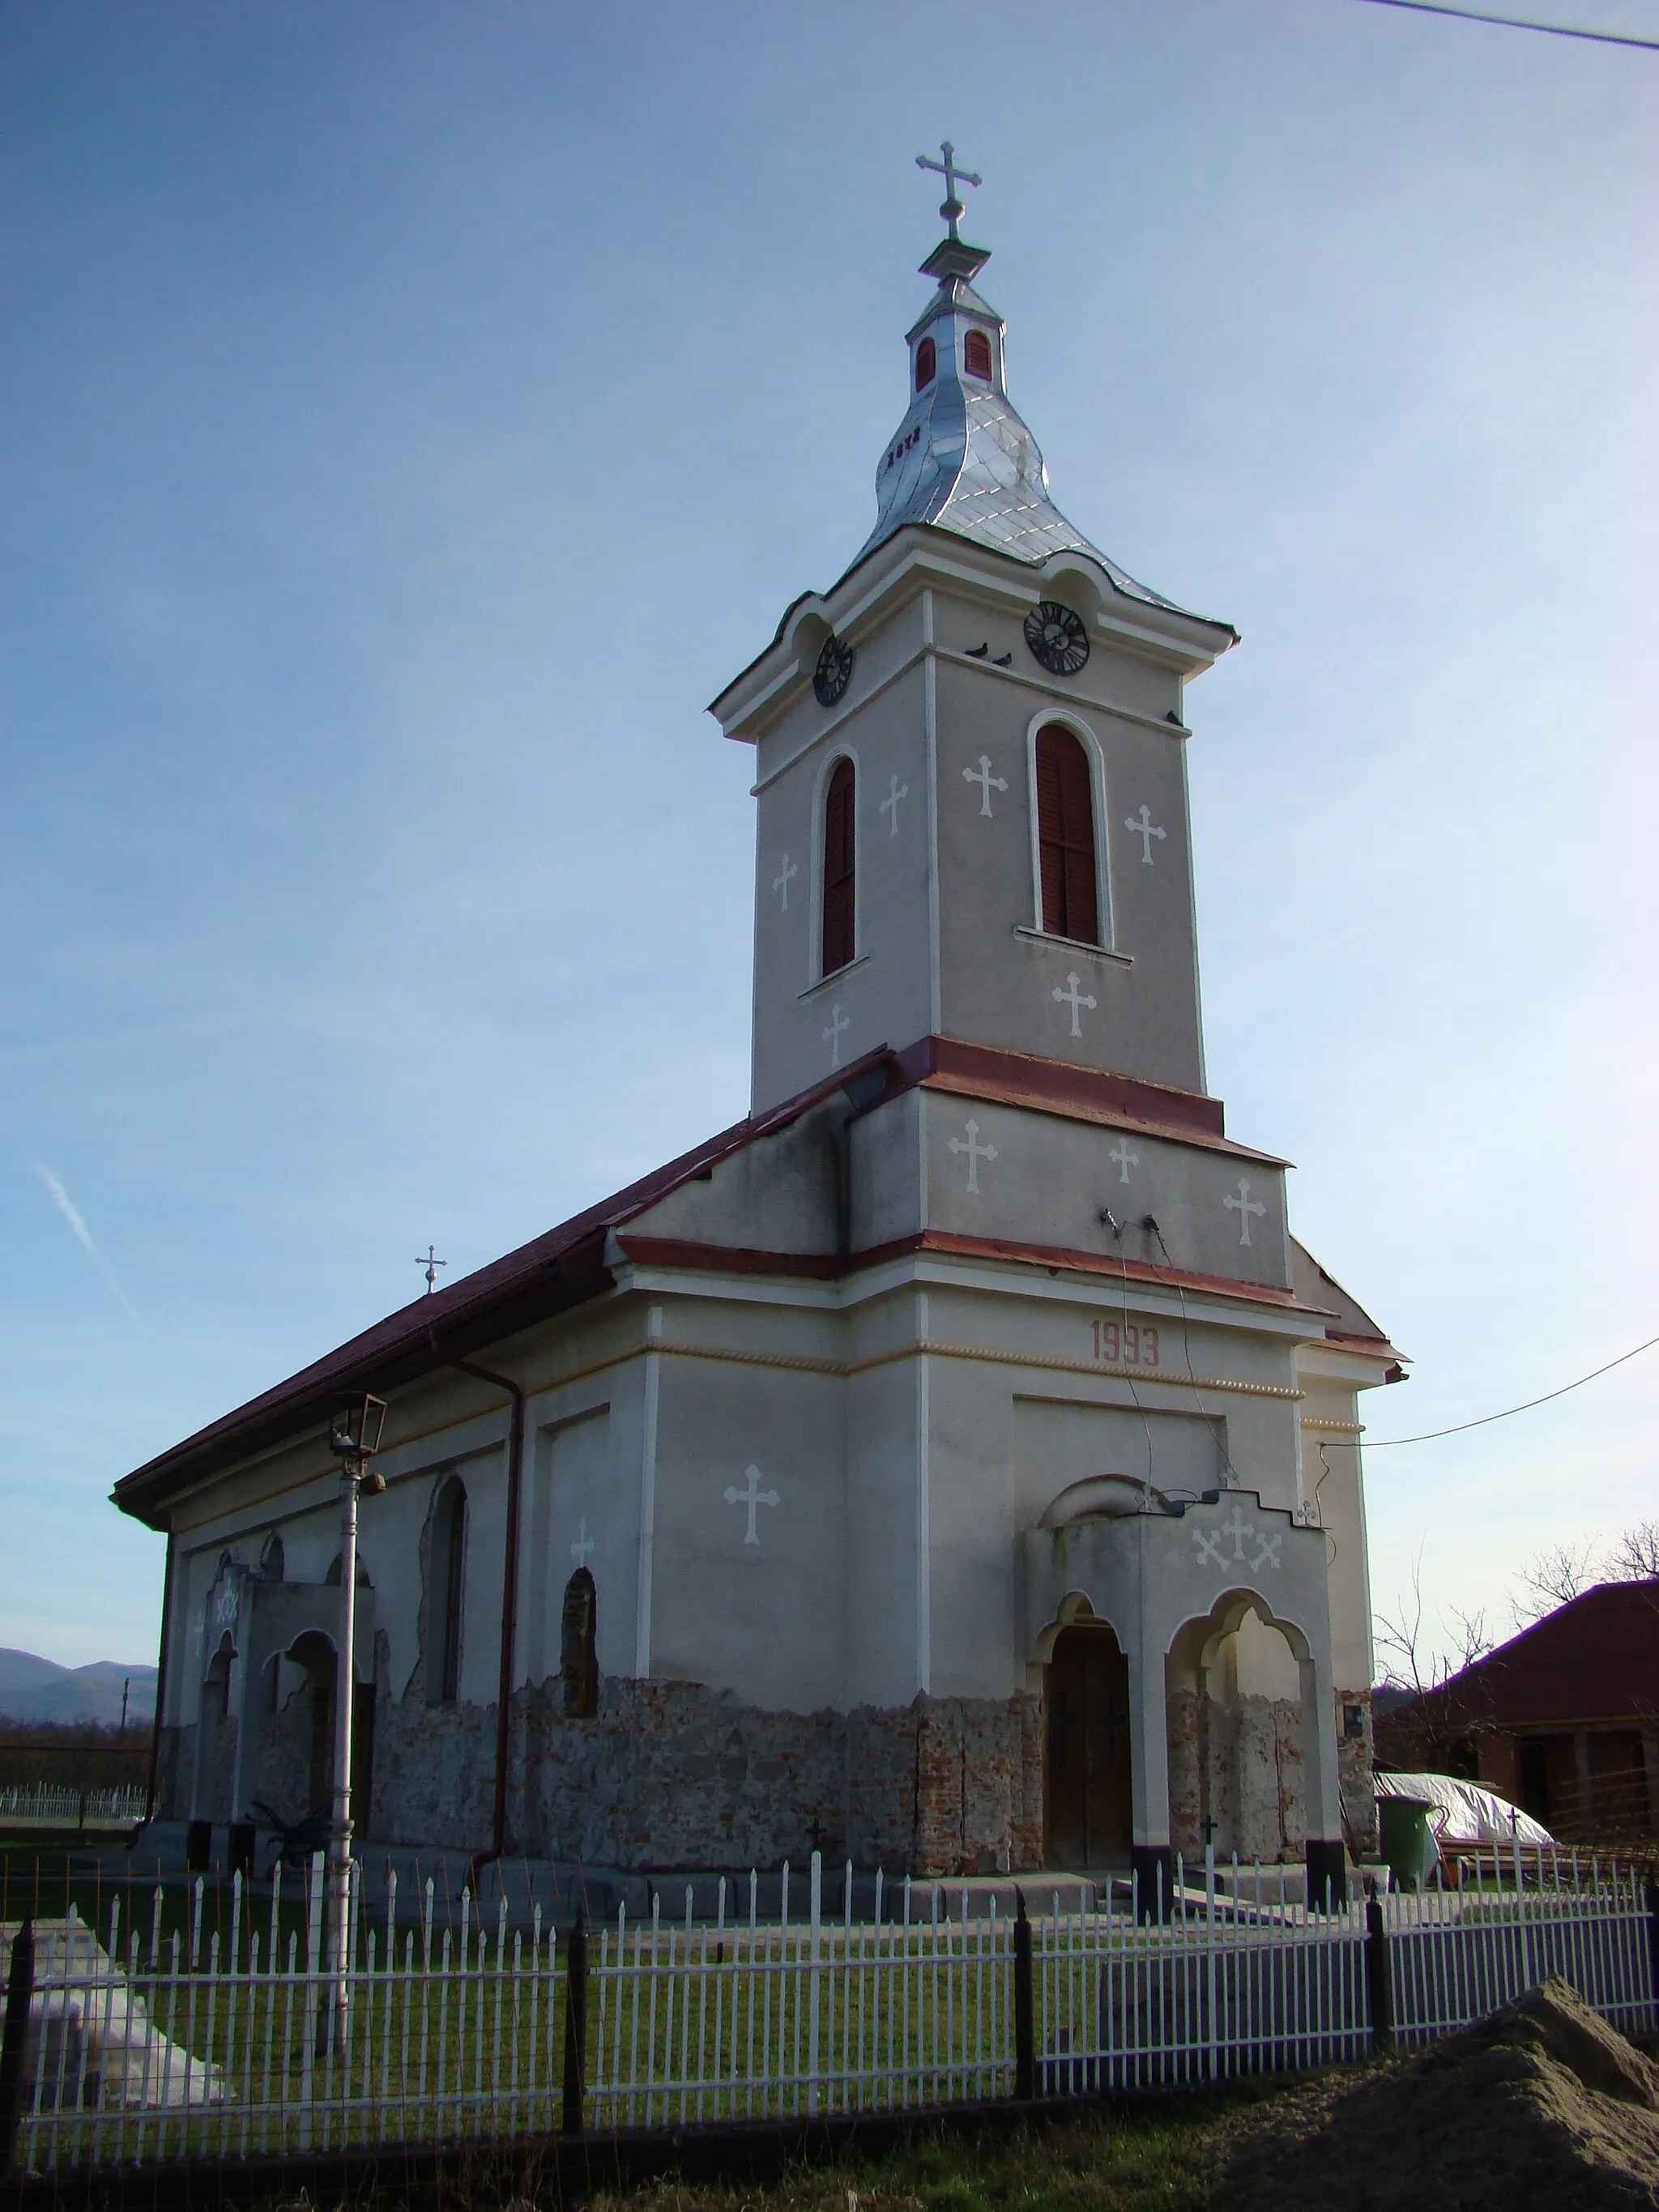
82,1234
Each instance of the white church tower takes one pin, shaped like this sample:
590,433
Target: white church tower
954,1464
974,864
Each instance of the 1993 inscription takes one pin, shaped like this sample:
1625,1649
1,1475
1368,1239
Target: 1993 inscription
1125,1344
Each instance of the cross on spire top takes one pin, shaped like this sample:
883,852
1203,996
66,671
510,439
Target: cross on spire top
953,208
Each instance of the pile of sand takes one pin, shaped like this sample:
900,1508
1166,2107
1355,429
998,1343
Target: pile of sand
1540,2105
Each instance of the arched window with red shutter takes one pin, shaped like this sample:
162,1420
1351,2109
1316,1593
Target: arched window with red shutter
1065,837
839,867
925,364
976,354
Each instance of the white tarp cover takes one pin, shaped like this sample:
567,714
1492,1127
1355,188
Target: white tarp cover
1464,1813
85,2021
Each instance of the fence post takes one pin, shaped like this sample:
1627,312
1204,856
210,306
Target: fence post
1024,2039
575,2027
1653,1941
13,2046
1379,1975
816,1903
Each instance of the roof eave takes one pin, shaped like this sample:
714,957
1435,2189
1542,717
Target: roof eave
1192,643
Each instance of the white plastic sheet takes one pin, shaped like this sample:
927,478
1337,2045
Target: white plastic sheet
1464,1813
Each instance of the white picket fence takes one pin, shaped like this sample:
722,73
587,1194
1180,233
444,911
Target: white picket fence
52,1805
199,2040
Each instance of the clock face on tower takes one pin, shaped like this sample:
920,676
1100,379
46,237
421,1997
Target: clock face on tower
834,671
1057,638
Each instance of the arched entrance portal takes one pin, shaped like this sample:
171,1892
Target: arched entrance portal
1090,1811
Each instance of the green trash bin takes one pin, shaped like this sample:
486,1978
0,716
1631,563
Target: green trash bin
1408,1841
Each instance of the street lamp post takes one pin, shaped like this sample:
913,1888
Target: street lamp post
354,1439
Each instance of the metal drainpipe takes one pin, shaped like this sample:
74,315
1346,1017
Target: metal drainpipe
160,1691
510,1608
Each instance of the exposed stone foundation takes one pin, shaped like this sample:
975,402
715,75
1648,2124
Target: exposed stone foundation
1355,1778
677,1775
674,1774
670,1775
1241,1765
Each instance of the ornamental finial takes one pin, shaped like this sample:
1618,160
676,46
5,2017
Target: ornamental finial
951,209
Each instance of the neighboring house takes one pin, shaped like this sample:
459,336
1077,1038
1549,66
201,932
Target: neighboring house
956,1463
1562,1720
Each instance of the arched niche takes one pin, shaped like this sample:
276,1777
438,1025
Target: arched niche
1111,1496
1244,1719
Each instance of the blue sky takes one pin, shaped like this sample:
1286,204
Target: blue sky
410,416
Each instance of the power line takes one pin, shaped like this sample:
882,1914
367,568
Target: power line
1429,1435
1517,23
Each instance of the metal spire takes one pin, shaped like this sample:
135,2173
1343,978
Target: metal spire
431,1263
953,208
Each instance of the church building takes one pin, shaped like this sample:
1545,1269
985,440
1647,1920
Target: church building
953,1465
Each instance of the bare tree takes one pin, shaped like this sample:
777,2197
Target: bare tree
1469,1638
1635,1557
1400,1637
1554,1577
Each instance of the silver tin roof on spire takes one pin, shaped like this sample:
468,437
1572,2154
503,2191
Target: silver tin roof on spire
962,459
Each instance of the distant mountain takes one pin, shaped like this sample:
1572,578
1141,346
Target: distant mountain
35,1689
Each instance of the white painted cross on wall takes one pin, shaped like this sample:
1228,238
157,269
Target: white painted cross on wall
976,1152
1243,1206
752,1497
837,1030
890,805
1073,998
1145,828
583,1547
1124,1159
988,783
1265,1545
782,883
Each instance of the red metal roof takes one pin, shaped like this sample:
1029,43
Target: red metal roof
565,1265
1594,1659
559,1269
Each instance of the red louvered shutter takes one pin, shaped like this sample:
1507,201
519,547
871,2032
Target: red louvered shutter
838,867
1065,837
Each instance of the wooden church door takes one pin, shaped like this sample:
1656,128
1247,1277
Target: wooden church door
1089,1808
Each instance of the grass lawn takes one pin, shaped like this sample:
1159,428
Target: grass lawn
1170,2157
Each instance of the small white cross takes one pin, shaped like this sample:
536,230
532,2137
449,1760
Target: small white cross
752,1498
1238,1528
976,1152
1267,1554
782,883
837,1030
1145,828
988,783
1073,998
584,1544
1243,1206
1124,1159
896,791
1209,1547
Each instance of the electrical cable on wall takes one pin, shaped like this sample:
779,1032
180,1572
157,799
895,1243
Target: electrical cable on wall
1227,1471
1387,1444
